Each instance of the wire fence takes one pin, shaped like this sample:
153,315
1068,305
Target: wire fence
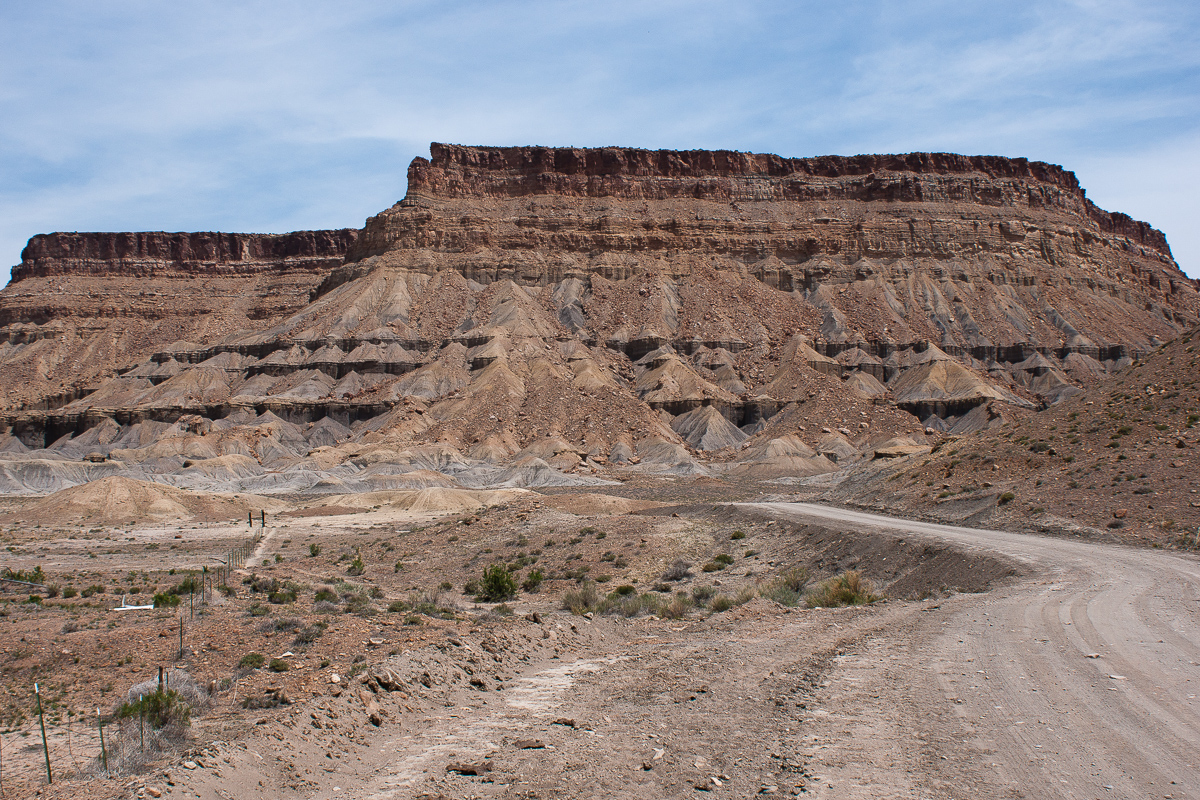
59,743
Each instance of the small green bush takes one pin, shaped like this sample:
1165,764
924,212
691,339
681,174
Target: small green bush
497,584
252,661
357,567
721,602
533,582
282,596
278,665
326,595
163,600
314,550
787,589
1007,497
737,535
159,709
69,592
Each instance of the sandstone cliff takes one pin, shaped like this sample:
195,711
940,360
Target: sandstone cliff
537,309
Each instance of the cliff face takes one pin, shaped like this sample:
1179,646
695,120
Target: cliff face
109,254
968,252
82,304
610,302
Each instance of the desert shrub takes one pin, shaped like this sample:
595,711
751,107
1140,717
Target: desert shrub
34,575
314,550
533,582
282,625
471,587
1007,497
325,594
227,591
624,590
258,610
252,661
282,595
723,558
360,604
310,633
278,665
325,607
164,600
93,589
677,571
721,602
503,610
581,600
445,586
787,588
497,583
399,606
357,567
630,605
159,709
848,589
69,592
737,535
679,606
52,590
702,594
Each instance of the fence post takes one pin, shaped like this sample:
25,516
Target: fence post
180,638
42,719
103,750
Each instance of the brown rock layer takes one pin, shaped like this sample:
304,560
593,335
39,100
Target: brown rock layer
566,308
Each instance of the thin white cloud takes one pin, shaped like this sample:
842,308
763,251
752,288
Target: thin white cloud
273,115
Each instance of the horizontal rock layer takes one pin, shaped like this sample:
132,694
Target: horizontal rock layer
605,305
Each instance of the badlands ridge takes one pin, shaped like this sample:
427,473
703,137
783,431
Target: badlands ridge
539,317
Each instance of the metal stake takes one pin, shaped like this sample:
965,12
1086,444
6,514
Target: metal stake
45,745
103,750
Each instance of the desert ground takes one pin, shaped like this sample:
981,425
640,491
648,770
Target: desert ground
993,664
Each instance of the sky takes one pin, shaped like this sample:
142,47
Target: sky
263,116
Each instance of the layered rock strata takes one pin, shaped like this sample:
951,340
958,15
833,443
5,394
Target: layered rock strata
580,308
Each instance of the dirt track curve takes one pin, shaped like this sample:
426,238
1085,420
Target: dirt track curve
1080,682
1077,680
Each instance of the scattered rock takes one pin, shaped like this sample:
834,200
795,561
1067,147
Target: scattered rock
481,768
528,744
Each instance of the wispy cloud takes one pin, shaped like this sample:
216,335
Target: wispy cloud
276,116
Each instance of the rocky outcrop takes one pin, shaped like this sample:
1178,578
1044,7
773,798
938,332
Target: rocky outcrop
110,254
563,309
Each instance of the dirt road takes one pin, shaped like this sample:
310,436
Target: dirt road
1079,683
1076,680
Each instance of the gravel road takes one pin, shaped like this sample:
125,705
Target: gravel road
1079,682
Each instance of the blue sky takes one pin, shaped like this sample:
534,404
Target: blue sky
278,116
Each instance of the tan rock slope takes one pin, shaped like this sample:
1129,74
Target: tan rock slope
546,317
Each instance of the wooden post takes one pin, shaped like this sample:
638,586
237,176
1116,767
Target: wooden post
160,684
42,719
103,751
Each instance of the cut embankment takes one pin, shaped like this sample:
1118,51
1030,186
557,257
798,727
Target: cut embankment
902,565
